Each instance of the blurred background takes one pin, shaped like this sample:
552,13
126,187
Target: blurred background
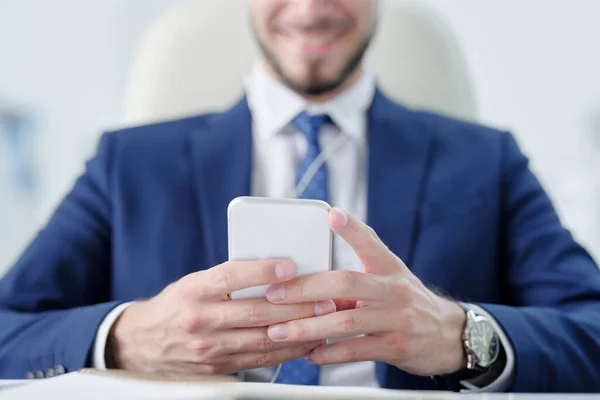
65,68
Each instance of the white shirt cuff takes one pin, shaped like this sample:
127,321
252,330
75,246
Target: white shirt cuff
99,352
504,381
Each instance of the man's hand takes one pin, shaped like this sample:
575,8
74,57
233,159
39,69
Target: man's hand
402,322
193,327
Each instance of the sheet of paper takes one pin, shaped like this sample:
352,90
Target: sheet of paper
93,387
6,383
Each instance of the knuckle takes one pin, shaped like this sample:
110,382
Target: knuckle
223,279
264,343
184,289
299,287
200,348
348,280
348,324
255,314
304,310
263,361
299,331
348,354
187,325
266,271
190,322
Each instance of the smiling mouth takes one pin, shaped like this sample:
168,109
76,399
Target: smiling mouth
317,42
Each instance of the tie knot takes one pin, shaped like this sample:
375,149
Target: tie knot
310,125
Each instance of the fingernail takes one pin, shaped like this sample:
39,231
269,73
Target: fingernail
285,270
276,292
340,217
309,358
278,332
324,307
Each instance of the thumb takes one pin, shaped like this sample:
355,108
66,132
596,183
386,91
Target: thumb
372,252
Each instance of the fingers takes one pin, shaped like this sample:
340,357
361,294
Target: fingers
253,340
232,341
374,255
260,312
260,360
341,324
348,285
234,363
236,275
366,348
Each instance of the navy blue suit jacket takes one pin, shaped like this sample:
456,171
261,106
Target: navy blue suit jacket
454,200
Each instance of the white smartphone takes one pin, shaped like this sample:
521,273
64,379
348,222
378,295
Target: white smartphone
265,228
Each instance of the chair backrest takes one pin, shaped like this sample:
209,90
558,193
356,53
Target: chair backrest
194,58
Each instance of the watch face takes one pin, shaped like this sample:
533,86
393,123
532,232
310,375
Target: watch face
483,342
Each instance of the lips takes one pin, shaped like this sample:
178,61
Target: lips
315,41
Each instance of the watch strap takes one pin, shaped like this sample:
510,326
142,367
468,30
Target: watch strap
452,381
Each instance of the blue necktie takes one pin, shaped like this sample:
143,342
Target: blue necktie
300,371
310,126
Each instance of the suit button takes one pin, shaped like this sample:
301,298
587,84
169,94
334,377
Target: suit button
59,370
30,375
50,372
39,375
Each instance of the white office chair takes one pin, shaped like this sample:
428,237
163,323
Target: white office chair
194,58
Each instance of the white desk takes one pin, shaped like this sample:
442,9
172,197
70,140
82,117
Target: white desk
97,387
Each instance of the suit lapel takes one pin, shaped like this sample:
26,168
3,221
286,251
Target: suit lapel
399,156
221,166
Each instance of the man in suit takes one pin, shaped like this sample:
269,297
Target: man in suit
461,276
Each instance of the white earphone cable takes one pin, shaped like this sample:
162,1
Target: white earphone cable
276,374
316,164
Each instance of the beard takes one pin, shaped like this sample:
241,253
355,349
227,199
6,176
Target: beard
316,87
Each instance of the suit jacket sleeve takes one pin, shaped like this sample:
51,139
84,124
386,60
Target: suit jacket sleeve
552,288
55,296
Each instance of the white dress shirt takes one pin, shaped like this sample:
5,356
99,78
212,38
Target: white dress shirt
277,147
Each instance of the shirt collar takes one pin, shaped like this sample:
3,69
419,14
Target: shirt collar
274,105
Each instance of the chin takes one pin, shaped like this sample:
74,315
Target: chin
306,81
313,76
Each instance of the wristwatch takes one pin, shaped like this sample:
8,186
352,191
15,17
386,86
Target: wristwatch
480,341
481,346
